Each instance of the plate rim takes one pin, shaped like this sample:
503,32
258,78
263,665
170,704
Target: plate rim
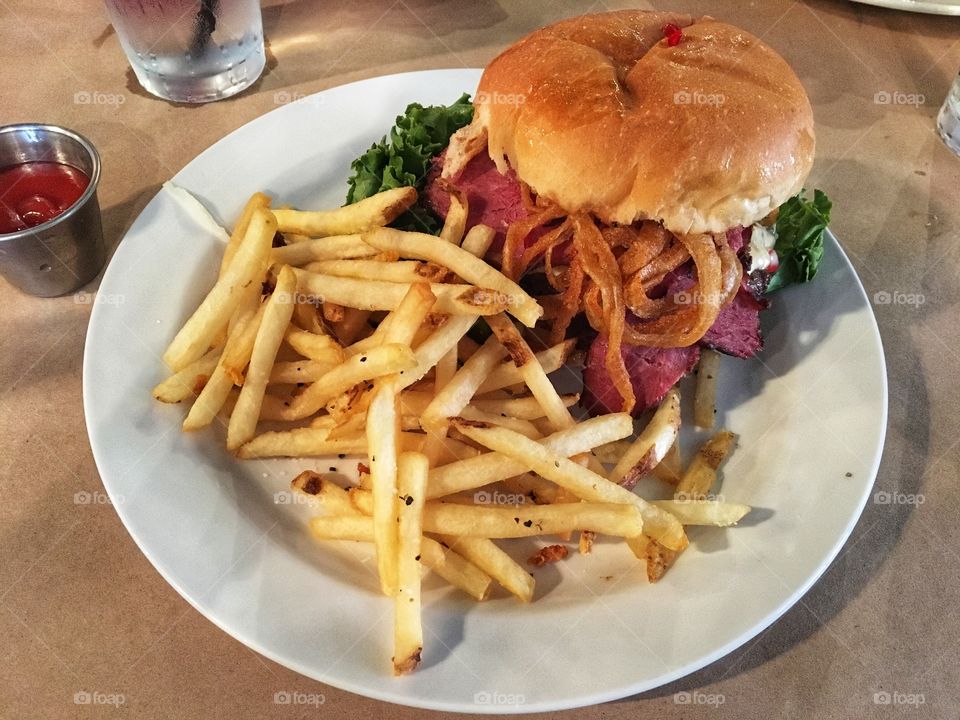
622,692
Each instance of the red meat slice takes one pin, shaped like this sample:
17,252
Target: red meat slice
653,371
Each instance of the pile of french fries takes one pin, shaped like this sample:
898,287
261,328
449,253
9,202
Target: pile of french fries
351,337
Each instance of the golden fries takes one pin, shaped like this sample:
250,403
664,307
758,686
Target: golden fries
446,563
301,442
615,519
408,632
651,445
321,348
247,267
702,472
375,211
478,240
582,482
383,360
705,399
493,467
341,247
455,394
361,348
494,562
455,223
276,318
704,512
508,374
189,381
257,200
404,271
380,295
383,429
464,264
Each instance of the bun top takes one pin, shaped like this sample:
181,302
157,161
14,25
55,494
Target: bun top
601,114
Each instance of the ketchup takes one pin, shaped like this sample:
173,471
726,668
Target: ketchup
34,192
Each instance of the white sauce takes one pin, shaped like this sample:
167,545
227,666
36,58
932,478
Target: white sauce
762,254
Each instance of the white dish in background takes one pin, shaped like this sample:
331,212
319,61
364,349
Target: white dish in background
943,7
811,414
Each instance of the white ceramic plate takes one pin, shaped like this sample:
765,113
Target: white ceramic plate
944,7
811,414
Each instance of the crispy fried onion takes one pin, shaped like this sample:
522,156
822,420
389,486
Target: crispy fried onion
687,315
513,248
599,263
616,268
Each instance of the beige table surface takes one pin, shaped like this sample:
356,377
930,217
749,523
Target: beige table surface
82,609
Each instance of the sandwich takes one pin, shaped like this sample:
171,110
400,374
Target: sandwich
644,172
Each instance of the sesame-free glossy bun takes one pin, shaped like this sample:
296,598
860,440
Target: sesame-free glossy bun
599,114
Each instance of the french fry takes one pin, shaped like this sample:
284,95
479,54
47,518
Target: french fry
671,467
190,381
522,408
408,317
659,560
585,542
229,371
341,247
401,271
705,397
374,211
455,569
536,488
454,395
350,425
494,467
342,527
524,427
455,223
448,451
331,496
704,512
493,561
616,519
469,267
248,266
299,371
300,442
446,563
579,480
379,295
402,324
383,430
701,474
532,372
651,444
408,630
439,343
321,348
508,374
276,318
478,240
384,360
257,200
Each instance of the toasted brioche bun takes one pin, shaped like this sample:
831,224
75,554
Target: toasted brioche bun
599,114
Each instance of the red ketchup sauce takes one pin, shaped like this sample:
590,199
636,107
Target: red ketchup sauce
34,192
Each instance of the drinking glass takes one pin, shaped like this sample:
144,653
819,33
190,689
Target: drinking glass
191,51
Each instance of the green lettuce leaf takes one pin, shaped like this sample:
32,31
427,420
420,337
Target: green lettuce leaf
799,228
402,158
